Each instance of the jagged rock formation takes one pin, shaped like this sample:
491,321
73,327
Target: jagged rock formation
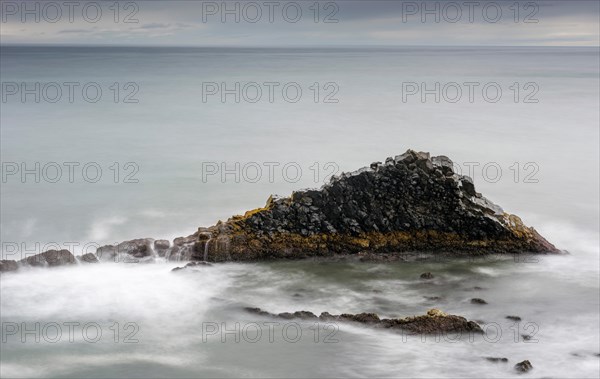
435,321
411,203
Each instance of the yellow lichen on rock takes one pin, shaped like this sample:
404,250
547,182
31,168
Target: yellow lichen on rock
436,313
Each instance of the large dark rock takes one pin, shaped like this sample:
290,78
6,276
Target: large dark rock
50,258
411,203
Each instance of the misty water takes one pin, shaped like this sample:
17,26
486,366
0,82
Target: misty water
168,134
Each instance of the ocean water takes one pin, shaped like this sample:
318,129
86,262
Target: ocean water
534,151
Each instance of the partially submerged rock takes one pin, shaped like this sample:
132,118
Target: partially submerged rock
514,318
88,258
435,321
410,203
524,366
50,258
7,265
137,248
427,275
496,360
478,301
191,265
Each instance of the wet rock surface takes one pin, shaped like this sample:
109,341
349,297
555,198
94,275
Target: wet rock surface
137,248
192,265
7,265
161,247
411,203
478,301
88,258
426,275
496,359
50,258
435,321
524,366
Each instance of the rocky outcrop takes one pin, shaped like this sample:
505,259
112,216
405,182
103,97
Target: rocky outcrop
410,203
7,265
435,321
50,258
138,248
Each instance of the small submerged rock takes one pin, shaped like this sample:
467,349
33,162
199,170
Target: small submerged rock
524,366
477,300
193,264
427,275
513,318
496,360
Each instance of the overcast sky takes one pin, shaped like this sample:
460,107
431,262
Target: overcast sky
301,23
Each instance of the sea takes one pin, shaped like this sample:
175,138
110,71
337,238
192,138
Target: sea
105,144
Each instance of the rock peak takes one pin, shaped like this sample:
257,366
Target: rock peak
410,203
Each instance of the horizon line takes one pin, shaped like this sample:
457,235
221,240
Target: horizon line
277,46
